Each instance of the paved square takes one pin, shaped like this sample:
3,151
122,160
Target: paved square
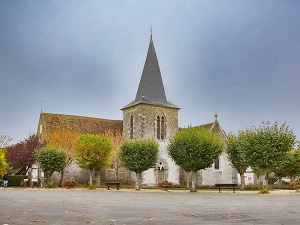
46,206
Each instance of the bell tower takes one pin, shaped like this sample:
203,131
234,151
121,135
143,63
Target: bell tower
150,115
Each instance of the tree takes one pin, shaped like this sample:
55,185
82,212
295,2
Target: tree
138,155
4,140
93,152
236,150
289,166
195,149
3,163
267,144
115,140
51,159
261,172
21,155
64,139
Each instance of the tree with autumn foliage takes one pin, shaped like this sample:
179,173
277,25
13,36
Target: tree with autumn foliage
20,155
93,152
115,139
3,163
65,140
4,141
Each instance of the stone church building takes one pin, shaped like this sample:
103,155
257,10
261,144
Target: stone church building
149,115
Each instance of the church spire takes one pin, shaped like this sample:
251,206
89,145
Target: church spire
151,89
151,84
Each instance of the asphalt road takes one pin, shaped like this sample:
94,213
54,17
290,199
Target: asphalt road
44,206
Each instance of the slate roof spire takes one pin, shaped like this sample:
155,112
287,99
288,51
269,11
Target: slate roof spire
151,89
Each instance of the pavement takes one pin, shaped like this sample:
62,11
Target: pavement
83,206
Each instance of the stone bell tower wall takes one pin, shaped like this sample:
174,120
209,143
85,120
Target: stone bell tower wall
144,123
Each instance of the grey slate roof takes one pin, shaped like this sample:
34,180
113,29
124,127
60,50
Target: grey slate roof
151,89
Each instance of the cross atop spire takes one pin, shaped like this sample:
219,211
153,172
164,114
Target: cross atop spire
216,116
151,89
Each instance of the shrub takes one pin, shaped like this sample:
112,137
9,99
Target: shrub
50,185
87,182
93,187
15,180
165,184
295,184
69,183
252,187
264,191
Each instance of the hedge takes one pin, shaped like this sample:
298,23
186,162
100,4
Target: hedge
15,180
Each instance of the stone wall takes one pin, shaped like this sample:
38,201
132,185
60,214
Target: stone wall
82,175
144,126
144,120
225,174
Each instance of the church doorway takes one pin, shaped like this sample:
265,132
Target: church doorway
161,176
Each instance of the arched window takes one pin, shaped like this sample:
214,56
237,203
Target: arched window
217,163
162,131
131,127
158,128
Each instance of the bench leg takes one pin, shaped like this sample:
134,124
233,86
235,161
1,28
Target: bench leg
108,187
219,189
233,189
117,186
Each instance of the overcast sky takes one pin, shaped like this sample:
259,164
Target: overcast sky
240,59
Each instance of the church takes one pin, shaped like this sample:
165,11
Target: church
149,115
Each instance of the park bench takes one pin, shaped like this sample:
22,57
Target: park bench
227,186
108,184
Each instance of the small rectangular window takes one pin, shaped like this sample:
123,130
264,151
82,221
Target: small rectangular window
217,164
131,127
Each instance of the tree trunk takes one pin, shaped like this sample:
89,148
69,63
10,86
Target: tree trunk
91,178
242,181
141,179
117,174
48,177
187,179
293,178
29,177
265,180
42,178
194,180
137,182
62,173
98,180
